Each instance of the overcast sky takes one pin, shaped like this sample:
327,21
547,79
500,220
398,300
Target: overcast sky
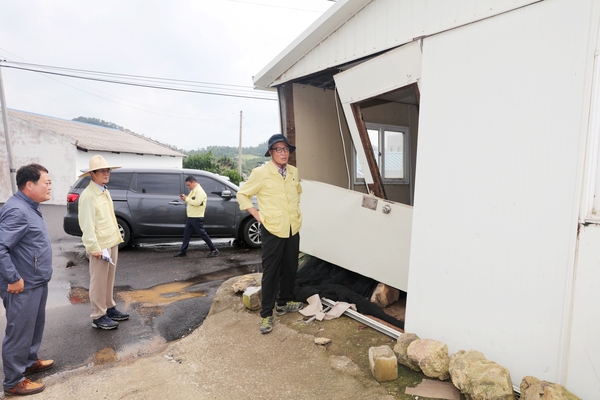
212,41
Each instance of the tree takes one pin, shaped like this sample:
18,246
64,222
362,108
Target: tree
204,162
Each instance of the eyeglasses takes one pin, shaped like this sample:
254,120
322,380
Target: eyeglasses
280,150
103,171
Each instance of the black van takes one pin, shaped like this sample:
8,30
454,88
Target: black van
148,207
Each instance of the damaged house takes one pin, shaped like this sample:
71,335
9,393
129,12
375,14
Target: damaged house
449,148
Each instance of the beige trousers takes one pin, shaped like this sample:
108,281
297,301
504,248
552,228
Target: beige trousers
102,280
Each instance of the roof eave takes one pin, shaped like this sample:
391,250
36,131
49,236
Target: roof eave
326,24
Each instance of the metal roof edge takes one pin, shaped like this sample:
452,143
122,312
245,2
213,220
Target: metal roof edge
324,26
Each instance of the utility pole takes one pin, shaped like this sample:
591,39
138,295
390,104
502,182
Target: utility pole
12,171
240,148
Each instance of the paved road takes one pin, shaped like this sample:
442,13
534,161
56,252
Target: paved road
166,297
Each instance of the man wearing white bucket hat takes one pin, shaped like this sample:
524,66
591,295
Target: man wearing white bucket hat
101,238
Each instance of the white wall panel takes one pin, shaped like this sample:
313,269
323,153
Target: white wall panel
497,186
584,360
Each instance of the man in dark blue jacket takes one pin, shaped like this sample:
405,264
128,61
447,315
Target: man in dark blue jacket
25,270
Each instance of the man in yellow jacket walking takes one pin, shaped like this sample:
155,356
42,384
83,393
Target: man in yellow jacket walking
277,187
196,206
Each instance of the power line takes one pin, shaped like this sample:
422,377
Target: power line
140,81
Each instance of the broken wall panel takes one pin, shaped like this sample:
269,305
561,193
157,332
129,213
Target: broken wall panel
337,227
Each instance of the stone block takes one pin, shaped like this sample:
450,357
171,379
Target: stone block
383,363
252,297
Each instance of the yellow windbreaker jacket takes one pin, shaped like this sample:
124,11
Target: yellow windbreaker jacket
196,202
97,219
278,199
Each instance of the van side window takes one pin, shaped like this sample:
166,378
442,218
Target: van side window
159,183
119,181
210,186
84,182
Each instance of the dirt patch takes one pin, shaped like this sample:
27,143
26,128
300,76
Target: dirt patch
352,339
105,356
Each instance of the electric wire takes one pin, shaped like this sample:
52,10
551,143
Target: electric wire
182,117
147,82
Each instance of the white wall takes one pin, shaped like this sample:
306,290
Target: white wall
502,123
30,144
584,350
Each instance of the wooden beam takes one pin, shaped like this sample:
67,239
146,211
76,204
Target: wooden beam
286,109
377,186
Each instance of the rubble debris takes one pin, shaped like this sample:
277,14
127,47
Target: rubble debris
243,282
384,295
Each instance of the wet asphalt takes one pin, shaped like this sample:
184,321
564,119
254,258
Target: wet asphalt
166,297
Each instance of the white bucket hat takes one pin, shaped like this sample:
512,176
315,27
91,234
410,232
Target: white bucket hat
96,163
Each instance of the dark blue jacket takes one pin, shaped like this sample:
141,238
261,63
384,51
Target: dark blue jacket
25,250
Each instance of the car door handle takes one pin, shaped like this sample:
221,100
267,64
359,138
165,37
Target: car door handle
176,203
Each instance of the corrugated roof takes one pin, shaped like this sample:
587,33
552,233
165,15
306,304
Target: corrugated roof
96,138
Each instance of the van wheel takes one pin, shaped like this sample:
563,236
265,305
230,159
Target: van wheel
125,232
251,233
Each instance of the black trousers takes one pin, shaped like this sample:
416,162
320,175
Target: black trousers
197,225
280,263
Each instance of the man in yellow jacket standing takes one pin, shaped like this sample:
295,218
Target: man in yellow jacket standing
196,206
277,187
101,238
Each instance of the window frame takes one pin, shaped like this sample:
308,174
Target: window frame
382,128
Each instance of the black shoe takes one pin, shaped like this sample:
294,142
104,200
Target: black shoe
116,315
104,323
213,253
180,254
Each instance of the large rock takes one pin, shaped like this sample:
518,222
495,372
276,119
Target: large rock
383,362
431,356
401,348
479,378
534,389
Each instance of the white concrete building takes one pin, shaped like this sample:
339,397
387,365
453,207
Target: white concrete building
491,226
65,147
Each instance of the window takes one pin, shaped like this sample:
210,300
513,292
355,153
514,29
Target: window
159,183
212,187
390,146
119,181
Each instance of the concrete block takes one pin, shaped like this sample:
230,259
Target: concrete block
383,363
